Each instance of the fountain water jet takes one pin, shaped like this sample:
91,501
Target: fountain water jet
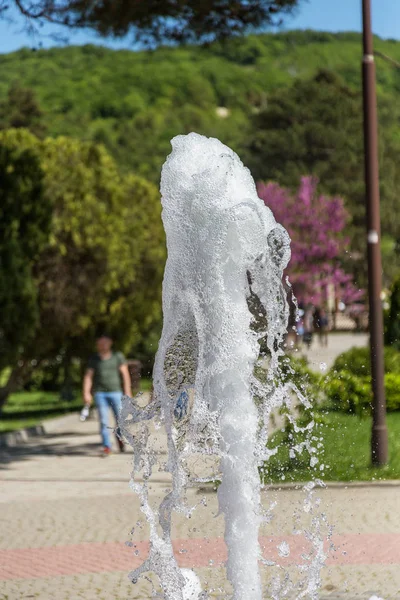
225,252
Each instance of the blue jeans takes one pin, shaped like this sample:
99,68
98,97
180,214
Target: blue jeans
104,401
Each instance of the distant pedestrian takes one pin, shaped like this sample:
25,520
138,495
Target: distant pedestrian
317,319
300,332
106,376
308,326
323,327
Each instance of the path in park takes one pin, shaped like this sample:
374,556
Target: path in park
66,515
337,343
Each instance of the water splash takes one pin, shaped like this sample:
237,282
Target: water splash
222,296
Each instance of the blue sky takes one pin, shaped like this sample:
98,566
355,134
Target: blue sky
327,15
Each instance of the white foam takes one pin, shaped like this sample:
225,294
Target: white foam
192,587
218,232
225,251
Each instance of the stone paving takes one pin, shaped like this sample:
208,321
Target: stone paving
66,517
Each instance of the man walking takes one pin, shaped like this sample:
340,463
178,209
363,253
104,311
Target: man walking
106,376
308,326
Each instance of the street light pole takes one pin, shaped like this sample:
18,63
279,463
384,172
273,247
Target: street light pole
379,441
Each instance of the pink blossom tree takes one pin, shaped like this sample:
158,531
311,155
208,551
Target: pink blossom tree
315,224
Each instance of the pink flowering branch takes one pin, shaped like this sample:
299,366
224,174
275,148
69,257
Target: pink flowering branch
315,224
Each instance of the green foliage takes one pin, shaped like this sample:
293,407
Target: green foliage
332,431
29,409
134,102
50,375
103,259
20,109
348,393
392,333
357,361
107,245
287,143
25,216
348,384
282,117
392,391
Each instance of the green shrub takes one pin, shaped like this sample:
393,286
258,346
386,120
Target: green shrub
392,389
348,385
357,362
348,393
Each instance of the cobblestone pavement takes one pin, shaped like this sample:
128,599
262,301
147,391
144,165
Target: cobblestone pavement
66,519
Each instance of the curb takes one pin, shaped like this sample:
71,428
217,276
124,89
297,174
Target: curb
298,486
18,437
15,438
329,485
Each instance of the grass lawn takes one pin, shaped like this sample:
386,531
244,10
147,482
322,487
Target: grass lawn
26,409
345,452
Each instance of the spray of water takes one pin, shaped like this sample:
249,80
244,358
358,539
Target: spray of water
226,256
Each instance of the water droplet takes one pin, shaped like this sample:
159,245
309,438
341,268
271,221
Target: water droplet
284,549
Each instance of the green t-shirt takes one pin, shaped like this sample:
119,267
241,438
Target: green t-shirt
107,376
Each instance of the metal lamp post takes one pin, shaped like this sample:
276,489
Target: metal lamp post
379,441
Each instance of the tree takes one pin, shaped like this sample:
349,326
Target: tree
315,127
106,259
103,262
20,109
315,224
155,21
25,217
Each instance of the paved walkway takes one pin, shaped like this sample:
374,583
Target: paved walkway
66,519
321,356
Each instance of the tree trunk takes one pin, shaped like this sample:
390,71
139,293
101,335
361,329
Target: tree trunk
16,379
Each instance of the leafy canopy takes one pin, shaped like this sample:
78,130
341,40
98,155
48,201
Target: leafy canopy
134,102
25,217
106,245
153,21
20,109
101,253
